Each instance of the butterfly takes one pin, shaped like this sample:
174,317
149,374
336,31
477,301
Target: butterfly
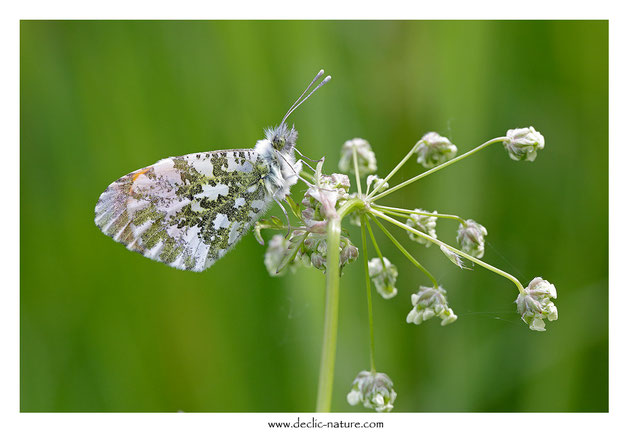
189,211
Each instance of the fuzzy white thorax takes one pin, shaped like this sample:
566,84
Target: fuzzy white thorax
283,170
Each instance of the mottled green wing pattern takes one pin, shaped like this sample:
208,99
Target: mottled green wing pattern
186,211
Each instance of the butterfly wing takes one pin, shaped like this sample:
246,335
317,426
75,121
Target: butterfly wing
186,211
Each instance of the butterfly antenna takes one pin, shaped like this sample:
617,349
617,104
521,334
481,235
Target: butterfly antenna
300,101
304,92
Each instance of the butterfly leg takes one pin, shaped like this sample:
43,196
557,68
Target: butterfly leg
279,203
309,159
294,171
304,162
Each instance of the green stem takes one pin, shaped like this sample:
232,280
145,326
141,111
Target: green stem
330,329
439,167
307,175
372,345
395,170
355,156
500,272
394,211
406,253
375,245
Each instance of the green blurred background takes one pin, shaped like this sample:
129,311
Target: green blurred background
104,329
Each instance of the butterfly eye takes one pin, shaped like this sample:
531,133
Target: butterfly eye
278,142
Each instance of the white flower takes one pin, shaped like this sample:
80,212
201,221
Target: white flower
353,398
383,277
365,157
434,149
523,143
534,305
424,223
321,199
471,237
373,390
378,184
429,302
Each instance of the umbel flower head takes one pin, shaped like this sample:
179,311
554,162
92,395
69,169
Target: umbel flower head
373,390
523,143
383,277
365,157
535,305
424,223
471,237
434,149
429,302
320,200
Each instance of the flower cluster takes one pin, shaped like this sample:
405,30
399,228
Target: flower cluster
365,157
383,274
328,200
471,237
315,248
423,222
523,143
534,305
429,302
321,200
373,390
307,244
434,149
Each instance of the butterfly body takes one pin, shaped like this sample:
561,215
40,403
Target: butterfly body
189,211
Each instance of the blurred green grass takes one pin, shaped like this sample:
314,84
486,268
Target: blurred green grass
103,329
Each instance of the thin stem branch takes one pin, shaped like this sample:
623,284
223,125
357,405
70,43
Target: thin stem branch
500,272
372,345
393,210
437,168
395,170
308,176
406,253
355,156
330,330
375,244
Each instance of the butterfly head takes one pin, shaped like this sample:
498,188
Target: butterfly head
282,137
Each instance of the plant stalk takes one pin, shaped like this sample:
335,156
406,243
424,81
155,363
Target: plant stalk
330,330
372,344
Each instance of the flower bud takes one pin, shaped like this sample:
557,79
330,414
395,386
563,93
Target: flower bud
523,143
373,390
383,277
534,305
434,149
315,251
471,237
378,183
424,223
364,155
349,252
429,302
